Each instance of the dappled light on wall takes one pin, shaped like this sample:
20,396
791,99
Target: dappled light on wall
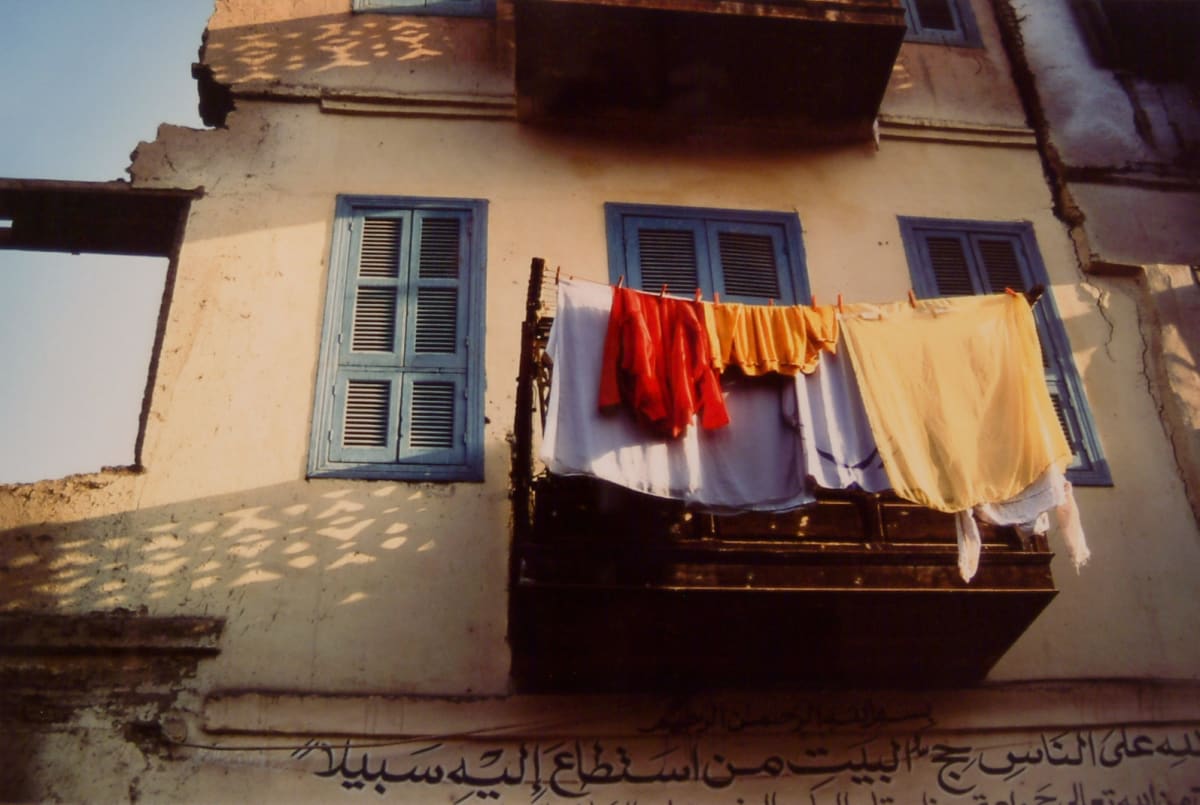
158,556
319,45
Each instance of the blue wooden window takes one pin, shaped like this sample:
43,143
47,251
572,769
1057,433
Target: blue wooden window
400,382
433,8
941,22
959,258
744,256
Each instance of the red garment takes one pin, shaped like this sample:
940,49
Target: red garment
657,362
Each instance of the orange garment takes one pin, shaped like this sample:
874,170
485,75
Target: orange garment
762,339
657,363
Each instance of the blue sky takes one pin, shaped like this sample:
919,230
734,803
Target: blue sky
85,81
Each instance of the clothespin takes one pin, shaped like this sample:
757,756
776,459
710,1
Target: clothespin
912,298
557,271
840,308
814,300
716,298
620,280
663,292
772,302
697,294
1010,291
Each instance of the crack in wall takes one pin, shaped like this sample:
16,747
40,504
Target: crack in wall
1145,297
1054,167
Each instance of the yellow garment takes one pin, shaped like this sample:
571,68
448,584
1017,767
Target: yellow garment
822,324
956,396
761,339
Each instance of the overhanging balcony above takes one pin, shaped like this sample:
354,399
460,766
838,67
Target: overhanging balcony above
813,70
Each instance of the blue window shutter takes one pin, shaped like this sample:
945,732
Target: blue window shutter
432,425
939,15
372,314
943,22
437,292
750,263
745,256
401,383
365,427
951,258
666,251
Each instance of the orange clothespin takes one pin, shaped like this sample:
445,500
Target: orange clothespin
697,294
1010,291
772,302
840,308
814,300
716,298
620,280
663,292
912,298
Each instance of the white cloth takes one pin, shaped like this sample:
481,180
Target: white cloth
1028,512
839,450
752,464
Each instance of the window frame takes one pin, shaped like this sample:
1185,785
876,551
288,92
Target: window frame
965,33
1074,396
618,214
401,371
428,8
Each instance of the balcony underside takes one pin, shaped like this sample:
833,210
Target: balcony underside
646,595
676,70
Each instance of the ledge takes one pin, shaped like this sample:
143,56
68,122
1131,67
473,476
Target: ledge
1021,705
948,131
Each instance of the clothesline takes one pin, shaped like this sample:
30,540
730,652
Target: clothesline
1032,295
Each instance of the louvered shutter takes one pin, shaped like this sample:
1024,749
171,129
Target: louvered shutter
399,392
666,251
371,314
744,262
365,404
750,263
432,422
947,258
366,390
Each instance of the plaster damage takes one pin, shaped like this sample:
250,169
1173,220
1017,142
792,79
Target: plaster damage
317,593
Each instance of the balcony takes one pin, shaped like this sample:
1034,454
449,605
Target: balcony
612,590
812,70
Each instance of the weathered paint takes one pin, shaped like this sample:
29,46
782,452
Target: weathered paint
334,588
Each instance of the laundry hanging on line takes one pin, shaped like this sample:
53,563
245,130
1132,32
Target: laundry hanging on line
752,464
950,408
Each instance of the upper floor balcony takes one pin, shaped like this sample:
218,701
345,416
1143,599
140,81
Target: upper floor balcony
813,70
612,589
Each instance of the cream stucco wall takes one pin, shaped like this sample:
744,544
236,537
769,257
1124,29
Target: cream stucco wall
336,585
332,590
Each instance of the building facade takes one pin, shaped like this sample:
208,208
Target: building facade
323,580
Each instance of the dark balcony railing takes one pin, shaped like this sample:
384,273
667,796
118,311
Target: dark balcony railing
615,589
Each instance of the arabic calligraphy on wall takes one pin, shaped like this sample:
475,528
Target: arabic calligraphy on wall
1121,765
